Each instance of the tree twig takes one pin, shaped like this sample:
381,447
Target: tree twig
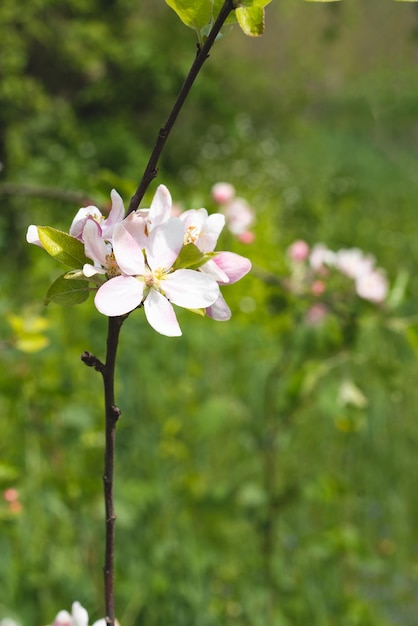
151,170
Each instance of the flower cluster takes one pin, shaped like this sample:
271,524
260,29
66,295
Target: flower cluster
150,258
370,282
314,269
238,213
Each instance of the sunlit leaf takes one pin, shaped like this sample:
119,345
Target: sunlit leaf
67,292
64,248
194,13
251,20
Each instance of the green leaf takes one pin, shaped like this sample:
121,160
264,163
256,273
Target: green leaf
251,20
191,257
194,13
67,292
322,0
64,248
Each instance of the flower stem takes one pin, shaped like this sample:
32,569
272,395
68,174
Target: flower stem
151,170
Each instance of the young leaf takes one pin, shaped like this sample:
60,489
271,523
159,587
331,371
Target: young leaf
64,248
67,292
194,13
251,20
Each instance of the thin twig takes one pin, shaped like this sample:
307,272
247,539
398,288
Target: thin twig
151,170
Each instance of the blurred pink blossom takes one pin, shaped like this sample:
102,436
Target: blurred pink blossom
353,262
223,192
321,258
238,213
318,287
316,314
298,250
372,286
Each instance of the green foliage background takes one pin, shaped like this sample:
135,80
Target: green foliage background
247,493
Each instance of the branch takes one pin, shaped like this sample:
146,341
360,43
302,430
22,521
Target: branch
112,414
151,170
17,189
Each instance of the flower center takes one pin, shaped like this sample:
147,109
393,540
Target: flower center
112,268
191,235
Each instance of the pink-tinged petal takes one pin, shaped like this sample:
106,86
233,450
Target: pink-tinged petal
234,265
210,232
95,247
190,289
213,270
160,209
160,314
219,310
116,215
78,223
165,243
127,247
119,295
32,235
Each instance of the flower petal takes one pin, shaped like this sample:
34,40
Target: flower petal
190,289
160,314
79,615
219,310
210,232
119,295
32,235
90,270
116,215
234,265
160,209
77,225
95,247
127,238
165,243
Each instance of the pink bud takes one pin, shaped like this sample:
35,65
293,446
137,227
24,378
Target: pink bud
11,495
247,237
223,192
298,251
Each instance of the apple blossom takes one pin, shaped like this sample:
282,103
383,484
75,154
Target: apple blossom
320,258
353,262
147,276
372,286
150,258
107,225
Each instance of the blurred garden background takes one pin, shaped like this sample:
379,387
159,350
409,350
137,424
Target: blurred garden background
266,470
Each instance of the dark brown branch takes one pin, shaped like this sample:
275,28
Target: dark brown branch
112,414
151,170
35,191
